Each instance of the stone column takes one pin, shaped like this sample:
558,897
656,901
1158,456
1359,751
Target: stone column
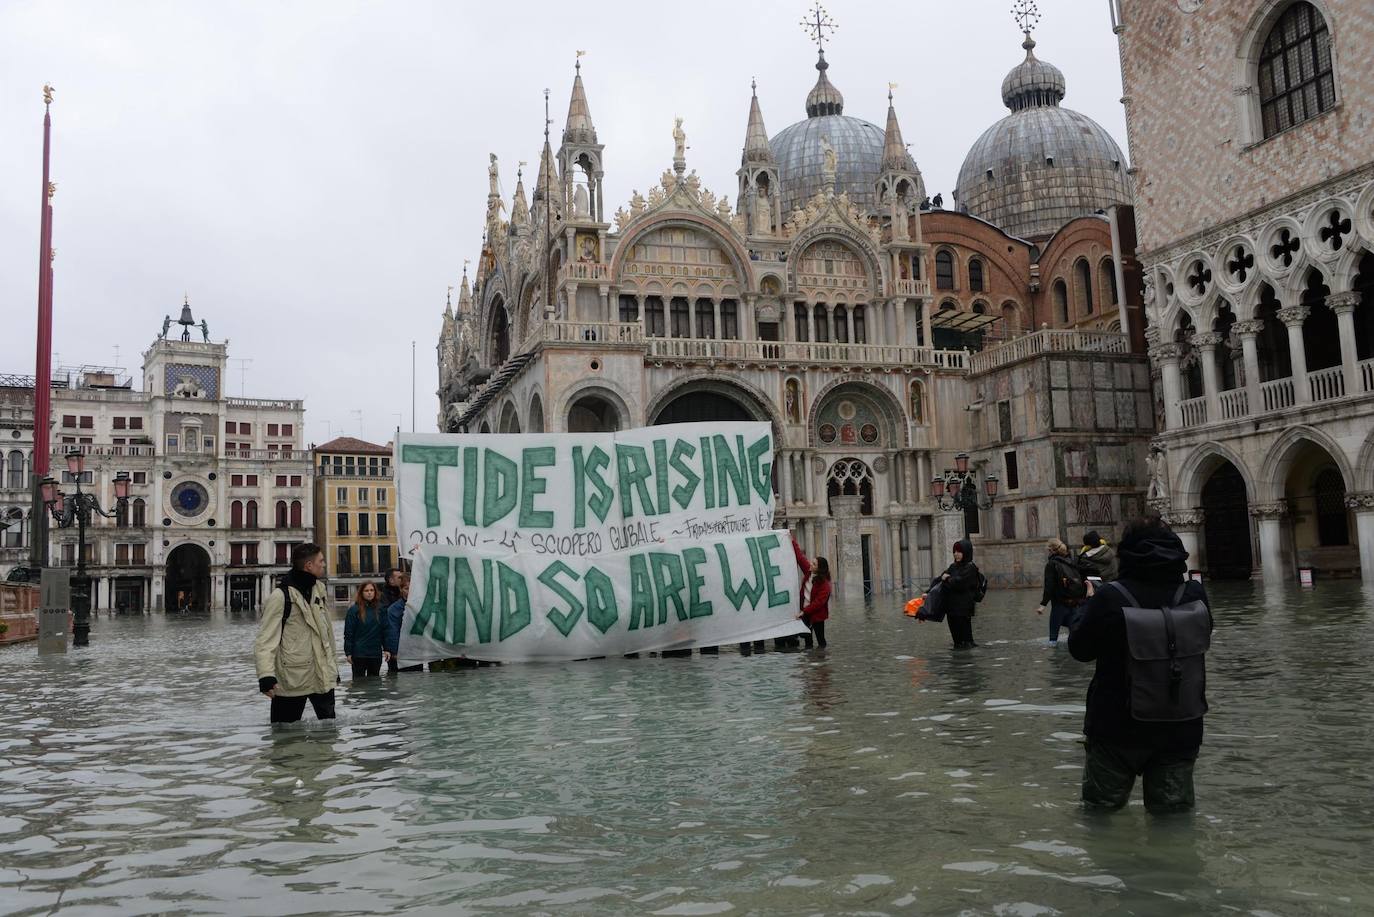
1292,318
1269,517
1343,304
1187,525
1363,505
923,315
715,311
946,529
639,307
849,565
849,322
810,322
1166,357
1248,332
1211,388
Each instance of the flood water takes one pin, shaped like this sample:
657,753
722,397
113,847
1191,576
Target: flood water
886,775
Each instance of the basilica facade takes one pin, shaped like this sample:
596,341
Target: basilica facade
880,332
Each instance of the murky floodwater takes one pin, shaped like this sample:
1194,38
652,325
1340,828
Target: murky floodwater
886,775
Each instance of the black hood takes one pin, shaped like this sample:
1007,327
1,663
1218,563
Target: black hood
1153,555
966,546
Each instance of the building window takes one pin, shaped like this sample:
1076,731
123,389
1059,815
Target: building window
173,442
235,480
140,477
69,421
245,428
230,427
341,524
1009,522
87,422
1004,421
236,555
141,554
971,525
251,480
281,480
365,559
822,322
860,330
282,514
681,317
944,270
362,496
135,423
975,275
1013,474
282,552
118,423
1333,519
729,320
121,555
1108,281
250,514
286,429
629,309
1296,81
799,320
381,525
381,496
139,517
295,514
271,429
345,561
341,496
1083,287
236,514
384,557
1061,302
363,524
295,480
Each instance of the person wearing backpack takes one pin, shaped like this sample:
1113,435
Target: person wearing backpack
1097,559
294,652
1064,591
1147,633
962,588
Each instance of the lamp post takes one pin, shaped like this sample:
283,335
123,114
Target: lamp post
957,489
77,509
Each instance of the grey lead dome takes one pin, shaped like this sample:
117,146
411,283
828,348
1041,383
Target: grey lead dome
1041,165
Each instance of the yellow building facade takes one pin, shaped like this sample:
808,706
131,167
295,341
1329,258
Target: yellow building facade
355,514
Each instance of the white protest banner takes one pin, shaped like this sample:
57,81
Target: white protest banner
583,494
679,594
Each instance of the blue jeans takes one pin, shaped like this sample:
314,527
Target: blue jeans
1060,616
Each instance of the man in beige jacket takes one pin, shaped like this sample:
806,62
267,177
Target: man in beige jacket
295,652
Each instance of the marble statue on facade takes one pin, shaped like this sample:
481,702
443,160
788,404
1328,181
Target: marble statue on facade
581,202
493,177
763,209
1157,463
679,141
830,164
205,330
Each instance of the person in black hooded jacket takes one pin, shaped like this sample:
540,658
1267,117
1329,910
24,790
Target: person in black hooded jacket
960,594
1120,747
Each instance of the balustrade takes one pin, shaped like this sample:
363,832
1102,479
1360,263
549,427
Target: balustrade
1365,370
1234,404
1326,384
1277,394
1194,411
1049,340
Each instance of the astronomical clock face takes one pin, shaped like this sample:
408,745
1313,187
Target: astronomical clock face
189,500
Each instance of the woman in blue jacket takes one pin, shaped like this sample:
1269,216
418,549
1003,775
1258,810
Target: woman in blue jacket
364,626
395,617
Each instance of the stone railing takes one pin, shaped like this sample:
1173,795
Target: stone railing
1194,411
912,287
1326,384
803,352
594,271
1045,341
1234,404
1277,394
1365,370
562,332
98,394
276,404
259,455
62,449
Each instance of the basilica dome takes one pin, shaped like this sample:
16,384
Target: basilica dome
799,151
1042,165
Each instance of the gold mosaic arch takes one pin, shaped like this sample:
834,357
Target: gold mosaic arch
881,399
857,247
720,236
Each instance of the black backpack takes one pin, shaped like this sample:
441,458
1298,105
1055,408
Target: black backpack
980,590
1167,669
1071,589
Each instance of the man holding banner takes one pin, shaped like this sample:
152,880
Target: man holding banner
565,546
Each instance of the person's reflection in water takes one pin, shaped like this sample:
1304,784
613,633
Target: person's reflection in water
821,695
1149,857
293,781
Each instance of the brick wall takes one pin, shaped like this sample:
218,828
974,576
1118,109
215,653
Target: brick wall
1199,159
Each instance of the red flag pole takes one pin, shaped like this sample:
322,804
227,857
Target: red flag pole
42,374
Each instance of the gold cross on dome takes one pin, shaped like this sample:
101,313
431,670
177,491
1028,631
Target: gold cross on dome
817,23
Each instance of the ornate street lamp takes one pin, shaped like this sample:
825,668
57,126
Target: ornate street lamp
957,488
77,509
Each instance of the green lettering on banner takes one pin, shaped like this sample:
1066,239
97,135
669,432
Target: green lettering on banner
683,493
745,590
433,458
515,601
641,593
692,558
500,486
761,472
467,595
661,473
433,614
668,583
632,467
589,469
470,485
531,485
731,470
708,472
601,607
563,620
767,545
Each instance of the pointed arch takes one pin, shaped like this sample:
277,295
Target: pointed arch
1278,461
1205,459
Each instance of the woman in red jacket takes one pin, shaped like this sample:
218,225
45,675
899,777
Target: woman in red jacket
817,611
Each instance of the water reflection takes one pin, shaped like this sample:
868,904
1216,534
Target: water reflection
886,774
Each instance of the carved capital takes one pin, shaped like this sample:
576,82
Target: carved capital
1207,340
1294,316
1358,502
1343,302
1152,337
1186,518
1166,353
1247,328
1269,510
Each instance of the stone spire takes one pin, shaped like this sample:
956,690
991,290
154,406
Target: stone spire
756,148
895,155
824,98
464,297
579,127
548,174
519,210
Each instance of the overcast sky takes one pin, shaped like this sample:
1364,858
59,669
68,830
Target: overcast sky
313,174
